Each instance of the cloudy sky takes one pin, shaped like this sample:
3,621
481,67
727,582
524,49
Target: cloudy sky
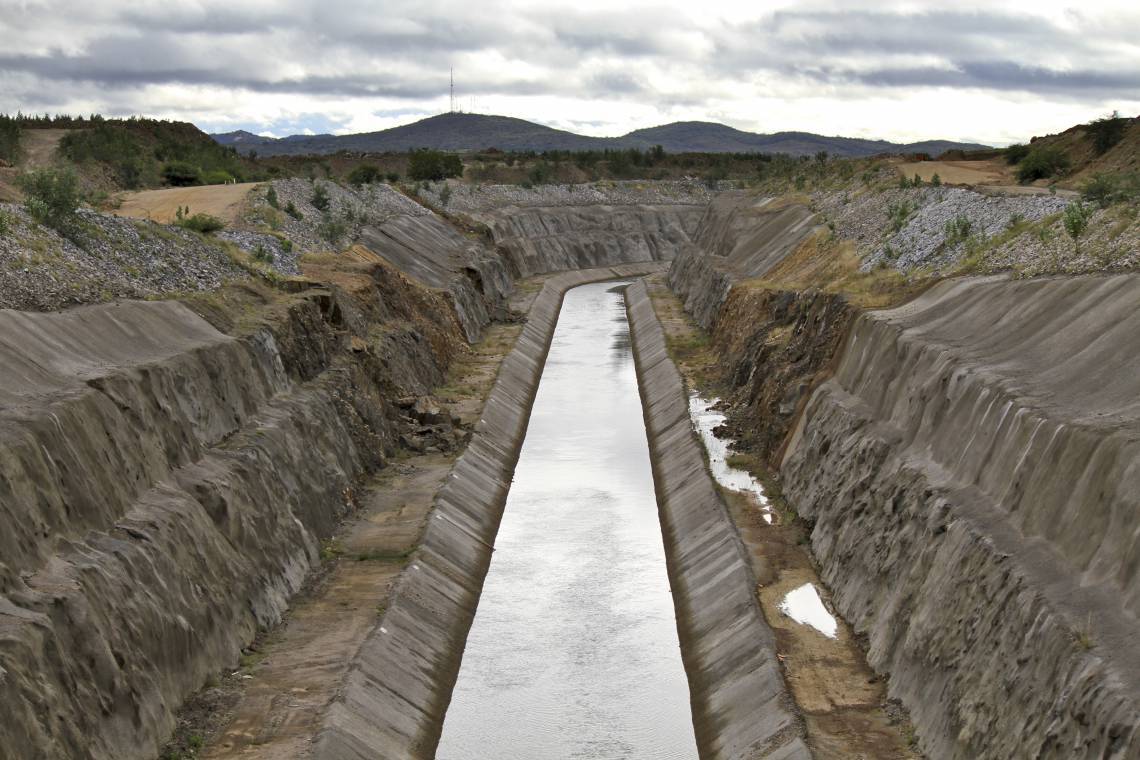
992,72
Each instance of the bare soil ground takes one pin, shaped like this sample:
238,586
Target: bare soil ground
222,201
843,702
273,705
994,176
991,172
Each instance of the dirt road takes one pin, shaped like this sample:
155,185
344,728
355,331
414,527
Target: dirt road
222,201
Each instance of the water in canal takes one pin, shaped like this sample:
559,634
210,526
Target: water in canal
574,651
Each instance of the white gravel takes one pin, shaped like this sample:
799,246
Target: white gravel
119,258
921,242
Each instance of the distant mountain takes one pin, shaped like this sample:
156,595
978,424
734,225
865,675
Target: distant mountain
463,132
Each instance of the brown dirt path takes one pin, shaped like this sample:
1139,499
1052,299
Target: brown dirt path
222,201
844,704
38,147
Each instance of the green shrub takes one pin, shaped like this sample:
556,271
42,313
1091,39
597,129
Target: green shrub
5,223
1076,219
203,223
262,254
51,196
1105,189
365,174
1107,132
217,177
433,165
445,195
392,177
1015,153
936,181
957,229
109,144
271,197
898,213
292,210
332,229
181,174
320,199
1041,163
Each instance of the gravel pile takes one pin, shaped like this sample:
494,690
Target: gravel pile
922,240
467,198
276,252
349,210
117,258
1112,244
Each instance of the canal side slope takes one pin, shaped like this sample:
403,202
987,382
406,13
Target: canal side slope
972,472
166,481
741,707
968,476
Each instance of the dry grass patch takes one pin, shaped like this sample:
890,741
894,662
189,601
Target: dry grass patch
829,264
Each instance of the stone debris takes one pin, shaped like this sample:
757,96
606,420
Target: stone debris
41,270
474,198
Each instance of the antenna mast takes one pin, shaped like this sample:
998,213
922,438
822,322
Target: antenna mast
452,89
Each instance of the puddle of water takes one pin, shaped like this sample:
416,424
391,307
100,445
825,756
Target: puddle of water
706,419
804,606
573,652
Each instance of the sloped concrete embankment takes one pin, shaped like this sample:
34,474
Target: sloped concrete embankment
164,488
395,697
741,707
973,475
739,236
536,240
439,256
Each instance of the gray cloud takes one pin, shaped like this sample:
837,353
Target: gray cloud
400,50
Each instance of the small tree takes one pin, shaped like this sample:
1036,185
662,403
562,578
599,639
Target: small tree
271,197
1041,163
445,195
181,174
52,196
320,199
1107,132
936,181
1015,153
433,165
1076,218
365,174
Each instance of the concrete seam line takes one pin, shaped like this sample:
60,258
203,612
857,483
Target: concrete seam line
394,698
738,695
